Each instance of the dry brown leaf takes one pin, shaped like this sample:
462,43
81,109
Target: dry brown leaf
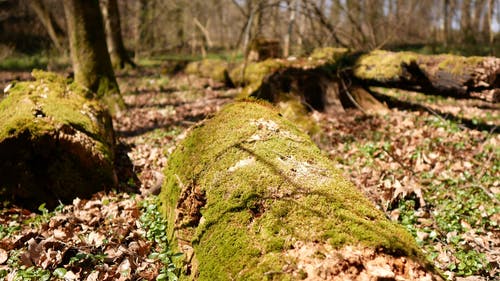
3,256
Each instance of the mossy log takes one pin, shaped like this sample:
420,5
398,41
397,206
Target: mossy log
314,81
55,144
248,196
215,69
449,75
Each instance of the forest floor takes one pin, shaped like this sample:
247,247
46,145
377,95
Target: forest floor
439,179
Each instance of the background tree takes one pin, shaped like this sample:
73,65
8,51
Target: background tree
112,25
166,26
91,62
56,33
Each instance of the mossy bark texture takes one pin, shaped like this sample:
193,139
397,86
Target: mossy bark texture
456,76
89,54
55,144
316,82
215,69
245,190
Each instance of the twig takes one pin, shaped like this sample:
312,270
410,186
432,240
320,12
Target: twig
351,98
399,162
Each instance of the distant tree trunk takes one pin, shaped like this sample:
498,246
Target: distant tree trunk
55,32
292,7
179,23
479,6
465,22
488,28
446,22
89,54
116,48
257,23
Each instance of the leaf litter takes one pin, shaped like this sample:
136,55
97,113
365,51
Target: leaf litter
439,180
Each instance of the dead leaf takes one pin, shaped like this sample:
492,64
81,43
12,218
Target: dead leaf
3,256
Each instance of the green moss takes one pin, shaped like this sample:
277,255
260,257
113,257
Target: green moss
293,110
54,141
329,54
49,95
266,186
210,68
254,74
456,65
383,65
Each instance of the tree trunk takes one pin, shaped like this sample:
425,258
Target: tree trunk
55,32
446,22
488,28
55,144
265,203
292,9
114,40
465,22
91,62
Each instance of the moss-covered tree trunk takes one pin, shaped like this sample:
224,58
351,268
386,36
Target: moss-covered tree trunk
89,54
55,143
116,48
250,197
456,76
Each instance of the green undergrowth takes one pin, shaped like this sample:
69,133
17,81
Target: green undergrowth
460,207
155,226
23,62
260,186
17,270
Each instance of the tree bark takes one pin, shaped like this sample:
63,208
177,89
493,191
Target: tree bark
55,32
488,28
89,54
292,7
55,144
446,22
114,40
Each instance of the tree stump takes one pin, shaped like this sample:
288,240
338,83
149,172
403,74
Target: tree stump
55,144
248,196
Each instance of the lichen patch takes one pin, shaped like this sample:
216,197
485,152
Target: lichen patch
242,163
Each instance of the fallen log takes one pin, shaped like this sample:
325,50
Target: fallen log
215,69
315,82
250,197
448,75
55,144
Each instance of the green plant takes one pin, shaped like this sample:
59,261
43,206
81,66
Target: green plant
8,230
81,258
31,274
469,263
155,225
44,216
